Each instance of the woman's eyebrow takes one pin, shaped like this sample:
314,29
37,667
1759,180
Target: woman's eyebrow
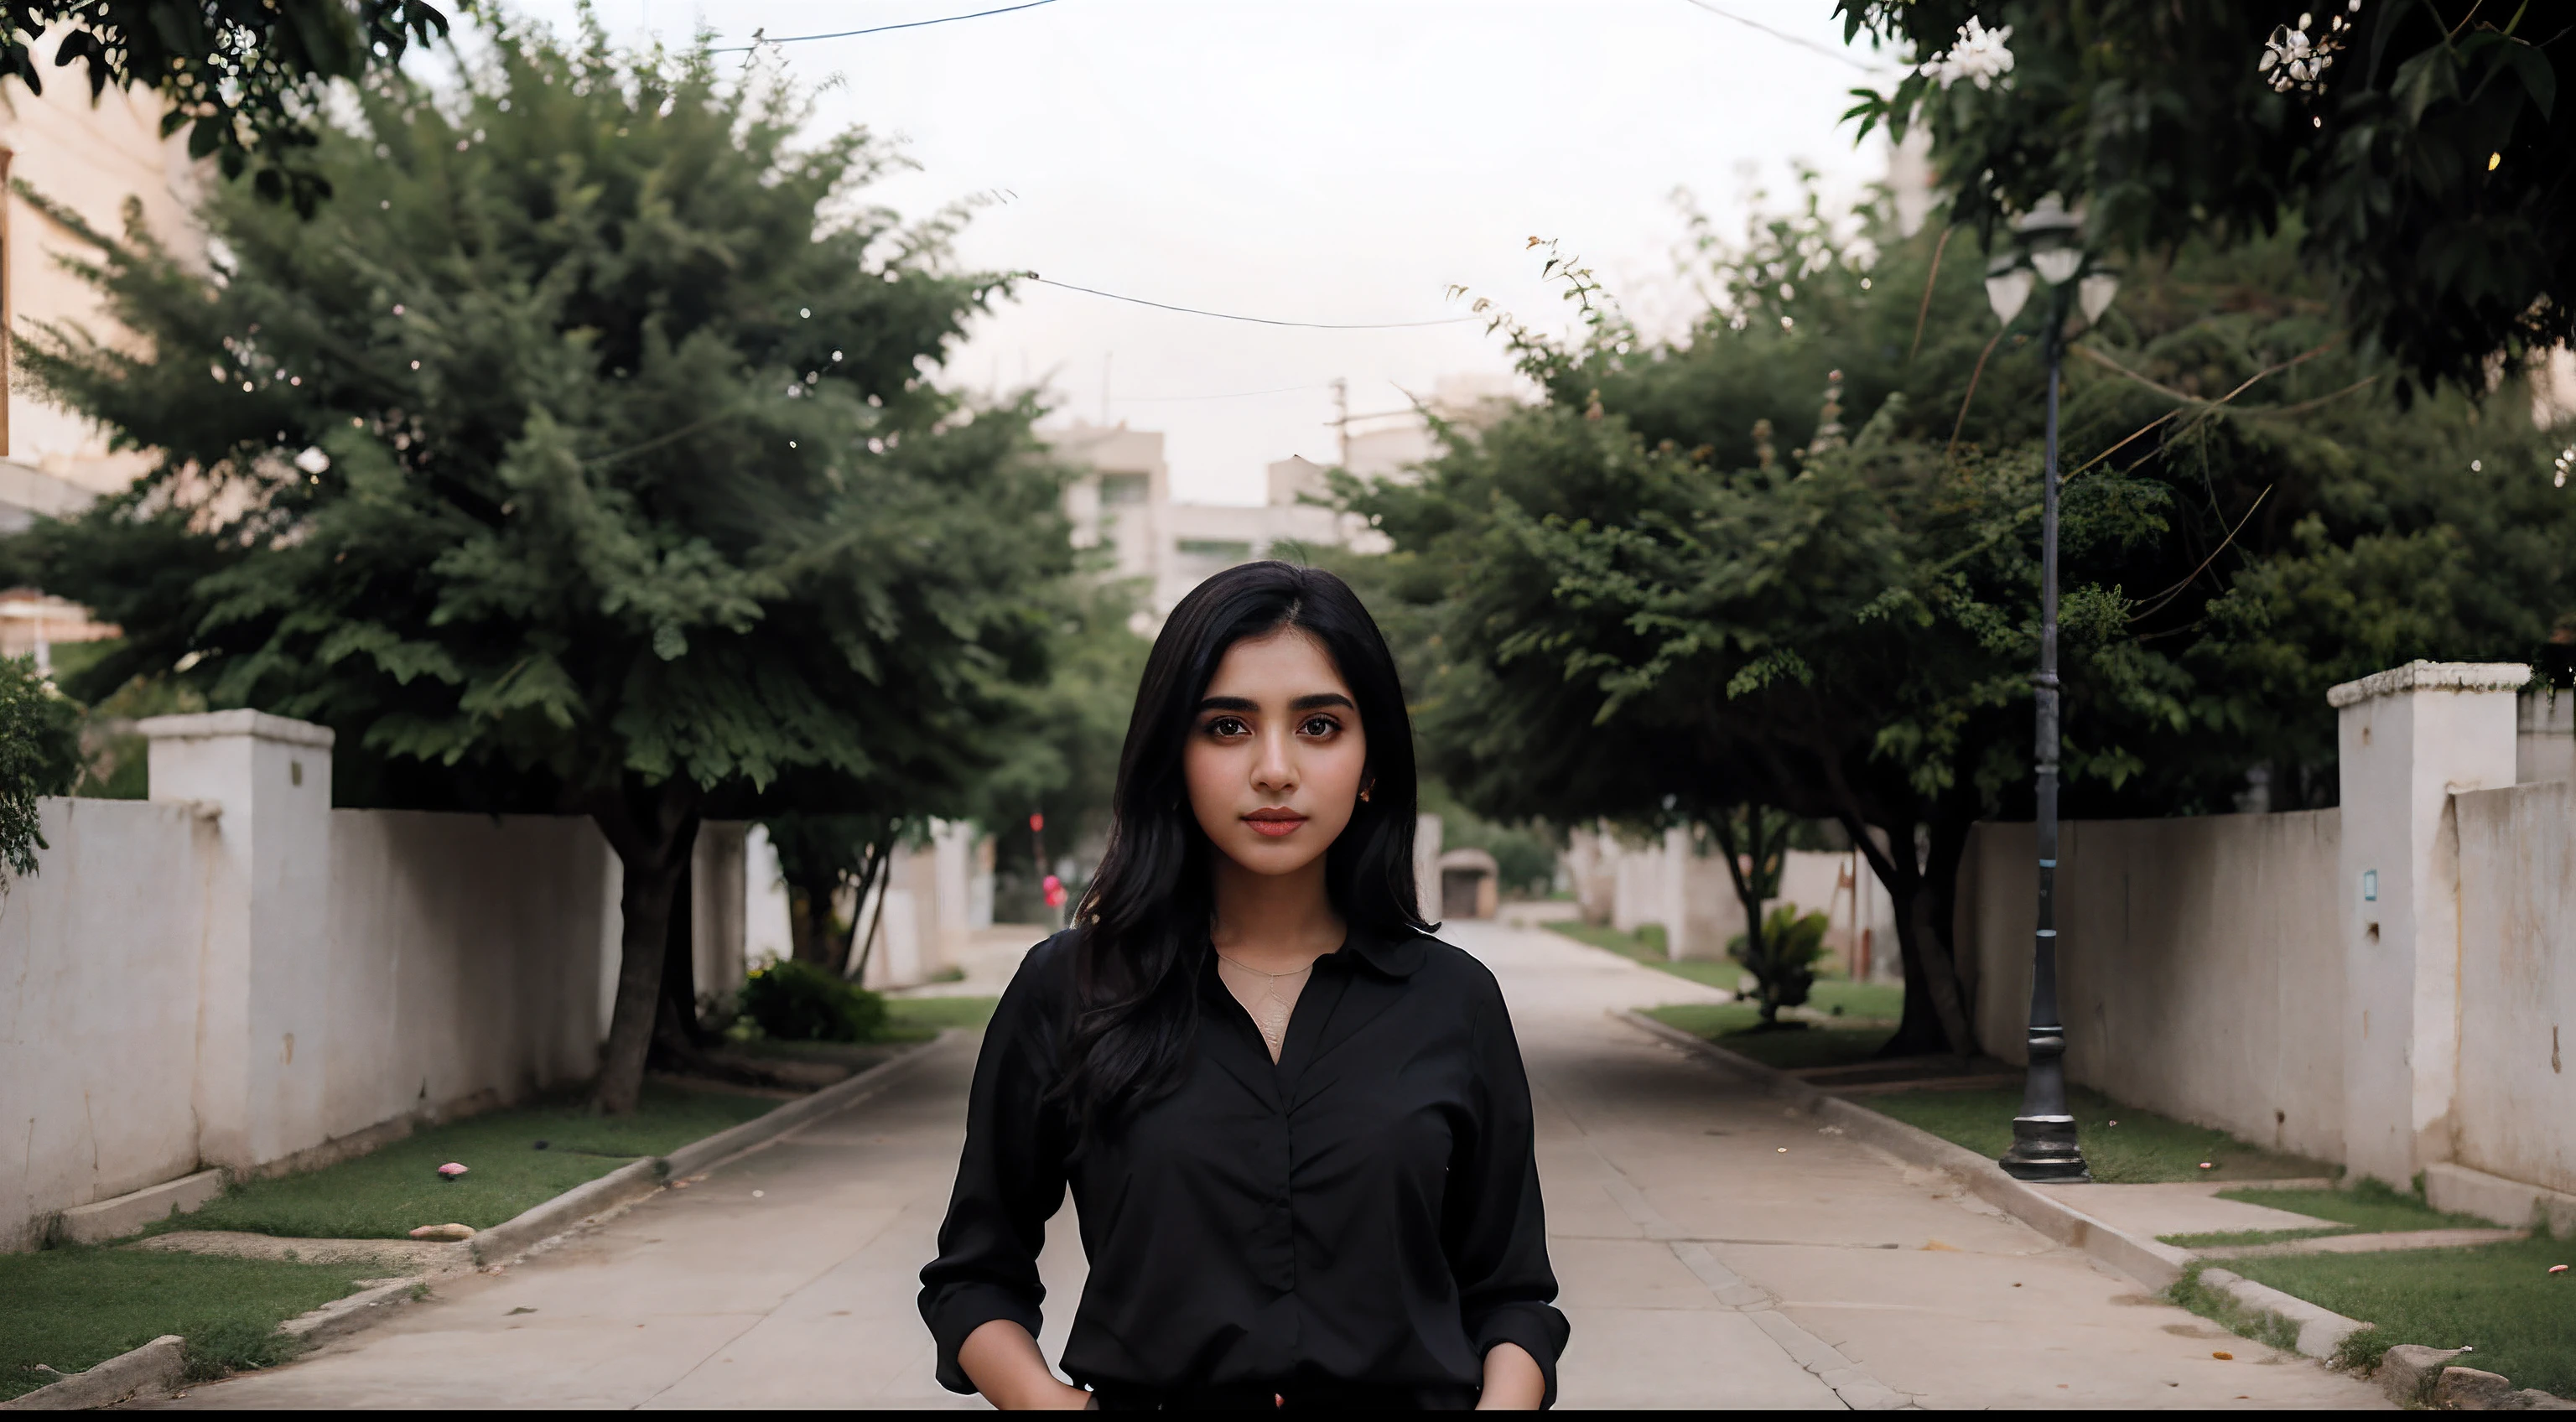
1320,700
1229,703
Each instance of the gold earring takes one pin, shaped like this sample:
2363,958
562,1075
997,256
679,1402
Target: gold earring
1364,797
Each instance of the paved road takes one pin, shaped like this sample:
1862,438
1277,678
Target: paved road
1714,1251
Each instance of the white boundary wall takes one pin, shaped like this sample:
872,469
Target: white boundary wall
234,974
2516,1112
2194,960
2390,986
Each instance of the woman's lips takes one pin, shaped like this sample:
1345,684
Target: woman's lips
1276,824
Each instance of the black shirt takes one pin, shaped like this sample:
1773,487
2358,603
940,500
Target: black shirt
1359,1221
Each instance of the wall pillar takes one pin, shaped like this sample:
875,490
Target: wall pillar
1426,866
953,892
2409,739
264,968
719,907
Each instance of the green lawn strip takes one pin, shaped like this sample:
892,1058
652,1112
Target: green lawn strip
72,1309
2233,1238
2143,1148
387,1194
1831,997
2500,1299
1732,1025
2370,1207
926,1015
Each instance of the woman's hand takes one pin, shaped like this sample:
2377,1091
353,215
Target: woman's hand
1004,1363
1513,1382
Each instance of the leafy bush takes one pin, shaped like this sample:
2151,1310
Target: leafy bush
793,1001
39,755
1784,966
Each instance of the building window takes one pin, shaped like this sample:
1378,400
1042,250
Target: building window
1222,550
1117,490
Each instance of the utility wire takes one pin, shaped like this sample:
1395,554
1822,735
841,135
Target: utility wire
1783,36
1255,320
758,39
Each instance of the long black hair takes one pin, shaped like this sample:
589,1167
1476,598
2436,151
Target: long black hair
1143,926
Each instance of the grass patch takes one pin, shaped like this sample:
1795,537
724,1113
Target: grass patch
926,1015
2223,1310
2235,1238
1731,1025
72,1309
2143,1148
2499,1298
385,1195
2369,1207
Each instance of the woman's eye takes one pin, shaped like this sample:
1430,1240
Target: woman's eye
1226,726
1319,726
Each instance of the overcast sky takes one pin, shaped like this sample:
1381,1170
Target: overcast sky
1309,160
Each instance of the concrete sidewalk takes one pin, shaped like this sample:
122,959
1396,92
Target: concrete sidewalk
1714,1252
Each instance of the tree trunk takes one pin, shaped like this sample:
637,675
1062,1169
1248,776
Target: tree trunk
653,840
678,1044
1936,1013
1748,892
811,924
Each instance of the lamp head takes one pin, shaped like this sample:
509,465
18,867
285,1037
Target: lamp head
2095,292
2007,287
2048,233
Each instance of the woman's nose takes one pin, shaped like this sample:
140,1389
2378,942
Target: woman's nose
1275,772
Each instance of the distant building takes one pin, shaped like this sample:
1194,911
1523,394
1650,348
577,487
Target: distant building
1392,444
87,161
1122,502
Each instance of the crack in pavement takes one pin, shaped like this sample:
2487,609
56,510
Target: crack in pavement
1858,1390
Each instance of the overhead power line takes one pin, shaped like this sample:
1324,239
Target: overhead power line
758,39
1783,36
1255,320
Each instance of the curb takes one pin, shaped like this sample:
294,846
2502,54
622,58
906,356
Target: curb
633,1181
349,1315
2157,1265
156,1368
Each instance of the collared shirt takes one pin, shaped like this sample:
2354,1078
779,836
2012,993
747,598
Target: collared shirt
1359,1220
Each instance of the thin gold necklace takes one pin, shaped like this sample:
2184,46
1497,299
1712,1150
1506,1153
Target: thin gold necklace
1270,1014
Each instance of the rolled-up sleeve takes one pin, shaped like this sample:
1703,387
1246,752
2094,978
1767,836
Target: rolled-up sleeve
1495,1226
1010,1179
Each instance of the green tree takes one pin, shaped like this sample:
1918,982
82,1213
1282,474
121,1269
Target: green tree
1065,741
244,77
822,858
39,755
1682,586
2427,163
580,457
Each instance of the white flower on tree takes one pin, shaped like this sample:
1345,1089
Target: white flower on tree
1979,57
2293,60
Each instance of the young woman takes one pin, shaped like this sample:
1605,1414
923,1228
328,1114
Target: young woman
1295,1125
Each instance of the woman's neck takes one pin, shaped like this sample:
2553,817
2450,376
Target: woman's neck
1274,922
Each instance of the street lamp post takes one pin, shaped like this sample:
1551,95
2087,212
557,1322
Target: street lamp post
2045,247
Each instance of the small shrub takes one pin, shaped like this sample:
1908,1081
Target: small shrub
1784,970
793,1001
2361,1352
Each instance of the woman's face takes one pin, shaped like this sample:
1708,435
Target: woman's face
1277,757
